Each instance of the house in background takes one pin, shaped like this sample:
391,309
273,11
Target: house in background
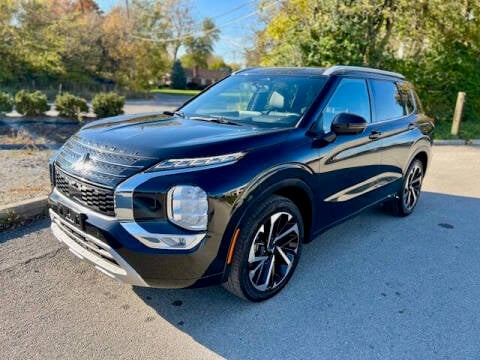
201,78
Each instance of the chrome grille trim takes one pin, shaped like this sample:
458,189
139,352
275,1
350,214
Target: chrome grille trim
104,166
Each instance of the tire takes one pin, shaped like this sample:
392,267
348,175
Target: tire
264,260
407,199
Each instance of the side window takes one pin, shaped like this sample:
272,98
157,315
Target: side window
387,101
350,96
406,93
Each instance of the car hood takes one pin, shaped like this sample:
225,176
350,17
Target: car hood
157,135
136,142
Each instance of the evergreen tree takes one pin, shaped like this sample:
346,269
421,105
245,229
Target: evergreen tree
177,76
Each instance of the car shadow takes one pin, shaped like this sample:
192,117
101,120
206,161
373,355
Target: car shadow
375,286
11,234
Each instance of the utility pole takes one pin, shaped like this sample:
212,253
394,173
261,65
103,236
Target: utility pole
457,116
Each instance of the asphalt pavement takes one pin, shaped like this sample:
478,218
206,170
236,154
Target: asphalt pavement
375,287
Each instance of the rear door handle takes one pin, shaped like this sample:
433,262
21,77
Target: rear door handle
411,126
375,135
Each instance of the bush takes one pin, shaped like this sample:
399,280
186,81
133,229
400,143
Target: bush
70,105
108,104
6,102
31,103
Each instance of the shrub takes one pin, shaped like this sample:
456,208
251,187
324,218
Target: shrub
31,103
70,105
108,104
6,102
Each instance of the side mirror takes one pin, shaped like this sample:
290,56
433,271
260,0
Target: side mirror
346,123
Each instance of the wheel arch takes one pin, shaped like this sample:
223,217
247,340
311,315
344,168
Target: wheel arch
420,150
290,182
423,157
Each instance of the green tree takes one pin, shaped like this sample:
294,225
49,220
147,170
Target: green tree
200,48
177,76
434,42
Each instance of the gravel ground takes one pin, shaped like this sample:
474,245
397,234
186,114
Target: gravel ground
24,175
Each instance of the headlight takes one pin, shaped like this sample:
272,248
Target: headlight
198,162
187,206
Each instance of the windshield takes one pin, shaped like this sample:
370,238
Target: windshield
259,100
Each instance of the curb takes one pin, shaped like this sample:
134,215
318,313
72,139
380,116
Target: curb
474,142
24,210
54,146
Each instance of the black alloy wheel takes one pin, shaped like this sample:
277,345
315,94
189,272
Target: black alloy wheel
408,197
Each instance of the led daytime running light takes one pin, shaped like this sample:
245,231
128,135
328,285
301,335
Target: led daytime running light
172,164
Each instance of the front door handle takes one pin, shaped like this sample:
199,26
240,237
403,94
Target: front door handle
375,135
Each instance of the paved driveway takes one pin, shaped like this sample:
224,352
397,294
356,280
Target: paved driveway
158,103
375,287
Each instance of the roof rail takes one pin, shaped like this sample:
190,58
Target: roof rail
243,69
333,70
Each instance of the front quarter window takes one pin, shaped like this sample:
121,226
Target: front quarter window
258,100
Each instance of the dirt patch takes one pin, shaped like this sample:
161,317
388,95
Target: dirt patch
24,175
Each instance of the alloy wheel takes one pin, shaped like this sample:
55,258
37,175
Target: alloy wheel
273,251
412,187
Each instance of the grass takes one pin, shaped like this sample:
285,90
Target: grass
469,130
169,91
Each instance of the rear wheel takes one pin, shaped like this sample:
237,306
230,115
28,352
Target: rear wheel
267,250
407,199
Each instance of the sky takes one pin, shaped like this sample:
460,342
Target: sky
237,21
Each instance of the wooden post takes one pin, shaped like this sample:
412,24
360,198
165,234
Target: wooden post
457,116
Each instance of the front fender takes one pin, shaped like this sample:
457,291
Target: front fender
261,187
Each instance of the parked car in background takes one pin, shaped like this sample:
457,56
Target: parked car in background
229,187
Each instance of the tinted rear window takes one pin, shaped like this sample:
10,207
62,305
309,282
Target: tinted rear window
387,101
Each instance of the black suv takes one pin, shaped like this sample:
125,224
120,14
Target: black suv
229,187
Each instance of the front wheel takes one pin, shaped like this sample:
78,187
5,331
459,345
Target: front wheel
267,250
407,198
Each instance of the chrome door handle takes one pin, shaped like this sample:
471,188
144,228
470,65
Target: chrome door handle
375,135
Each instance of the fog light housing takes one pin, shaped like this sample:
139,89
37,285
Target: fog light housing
187,207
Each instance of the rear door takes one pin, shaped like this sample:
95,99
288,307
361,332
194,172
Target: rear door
395,116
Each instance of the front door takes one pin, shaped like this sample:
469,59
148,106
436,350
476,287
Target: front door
350,167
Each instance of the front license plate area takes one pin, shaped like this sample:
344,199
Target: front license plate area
75,218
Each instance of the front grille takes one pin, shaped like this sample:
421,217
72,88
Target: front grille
94,197
100,164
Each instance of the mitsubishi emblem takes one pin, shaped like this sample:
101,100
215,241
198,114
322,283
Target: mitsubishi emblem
83,164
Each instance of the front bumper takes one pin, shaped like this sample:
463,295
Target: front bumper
94,251
118,251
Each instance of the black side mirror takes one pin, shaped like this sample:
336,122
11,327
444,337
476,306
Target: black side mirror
346,123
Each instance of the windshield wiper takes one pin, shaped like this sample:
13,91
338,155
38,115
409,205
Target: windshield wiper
172,113
215,119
